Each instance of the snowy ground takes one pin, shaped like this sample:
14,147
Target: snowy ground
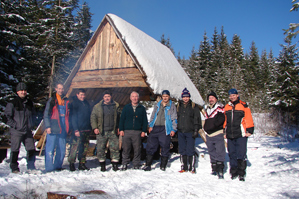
273,172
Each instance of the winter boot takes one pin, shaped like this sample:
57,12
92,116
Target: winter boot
72,167
184,163
234,173
124,167
115,166
149,161
220,167
191,160
14,165
214,168
31,160
82,166
242,164
3,154
241,178
163,164
103,166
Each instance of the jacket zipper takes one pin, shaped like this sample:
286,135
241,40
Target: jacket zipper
232,121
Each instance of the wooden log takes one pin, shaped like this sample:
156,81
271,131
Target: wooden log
128,77
42,141
5,146
39,131
52,195
108,84
202,135
70,195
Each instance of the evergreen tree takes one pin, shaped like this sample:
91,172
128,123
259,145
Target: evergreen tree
167,43
286,96
215,65
253,72
81,36
235,76
224,72
293,31
204,64
11,50
192,68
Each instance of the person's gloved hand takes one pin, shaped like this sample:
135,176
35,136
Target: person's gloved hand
195,134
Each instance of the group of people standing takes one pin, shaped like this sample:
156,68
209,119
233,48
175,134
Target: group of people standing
75,117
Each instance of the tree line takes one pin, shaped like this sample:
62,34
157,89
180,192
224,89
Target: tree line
266,83
40,42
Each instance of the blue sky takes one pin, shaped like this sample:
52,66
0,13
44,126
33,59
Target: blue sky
185,21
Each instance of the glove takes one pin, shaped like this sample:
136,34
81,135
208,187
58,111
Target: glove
195,134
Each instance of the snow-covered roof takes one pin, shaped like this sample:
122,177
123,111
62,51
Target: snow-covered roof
162,69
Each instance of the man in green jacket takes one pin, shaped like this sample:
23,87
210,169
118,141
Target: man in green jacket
104,122
132,126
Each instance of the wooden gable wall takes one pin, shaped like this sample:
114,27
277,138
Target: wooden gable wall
107,65
106,51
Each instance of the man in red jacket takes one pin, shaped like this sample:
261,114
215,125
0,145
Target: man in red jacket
56,119
214,130
238,127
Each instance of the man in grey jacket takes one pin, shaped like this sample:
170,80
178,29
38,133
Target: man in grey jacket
19,115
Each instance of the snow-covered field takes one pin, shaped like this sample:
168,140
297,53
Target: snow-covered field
272,172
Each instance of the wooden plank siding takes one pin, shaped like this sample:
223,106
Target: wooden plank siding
106,52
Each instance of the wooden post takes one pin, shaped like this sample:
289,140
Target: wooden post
44,136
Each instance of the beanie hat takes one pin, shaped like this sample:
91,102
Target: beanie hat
232,91
185,93
21,86
166,92
107,92
212,93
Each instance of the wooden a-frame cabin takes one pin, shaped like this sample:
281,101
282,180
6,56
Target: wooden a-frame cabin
122,58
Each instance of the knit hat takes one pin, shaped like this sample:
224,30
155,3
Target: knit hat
107,92
21,86
166,92
185,93
212,93
232,91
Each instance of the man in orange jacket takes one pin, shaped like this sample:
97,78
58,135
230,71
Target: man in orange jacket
238,127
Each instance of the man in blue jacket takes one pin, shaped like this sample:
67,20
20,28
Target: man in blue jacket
80,118
162,126
132,126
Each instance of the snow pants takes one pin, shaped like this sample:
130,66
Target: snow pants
79,144
216,148
27,139
131,138
237,149
158,137
186,143
55,141
102,139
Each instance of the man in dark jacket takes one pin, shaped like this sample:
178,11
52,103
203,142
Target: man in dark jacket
132,126
56,119
104,122
238,127
214,119
19,114
189,122
80,118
